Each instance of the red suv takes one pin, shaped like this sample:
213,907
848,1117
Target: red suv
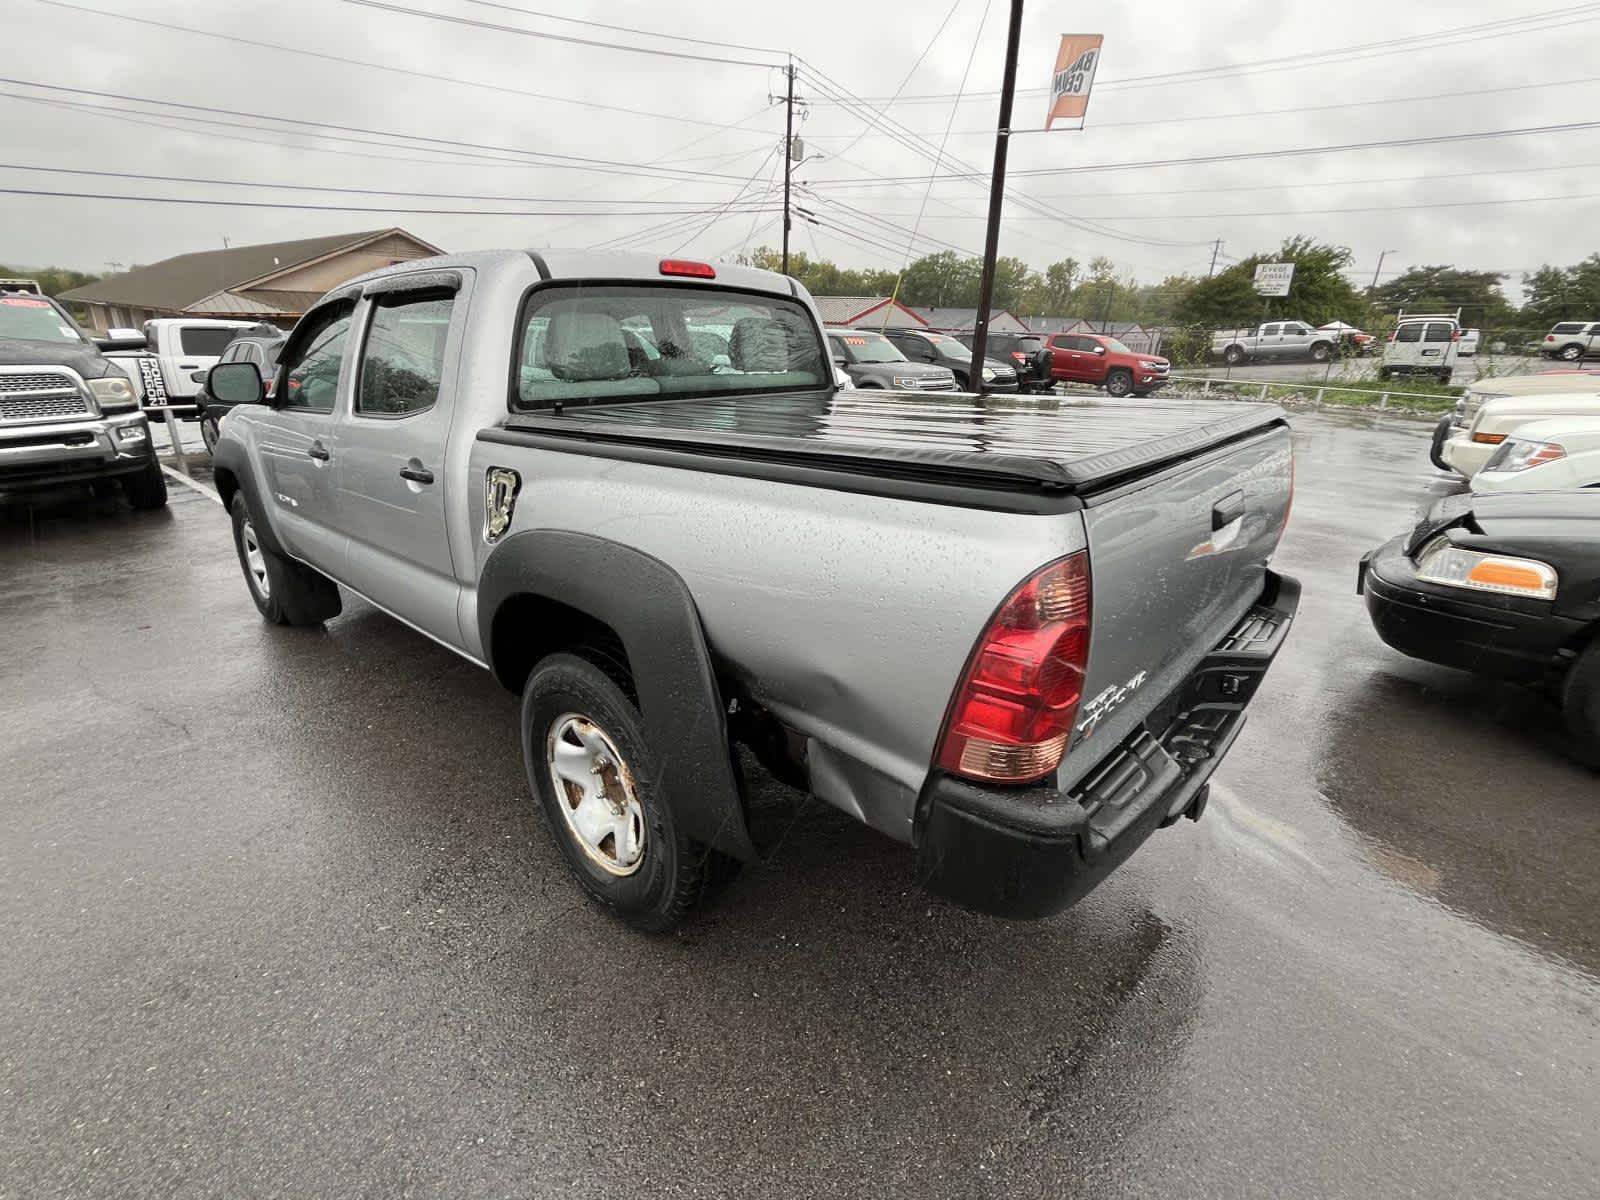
1105,362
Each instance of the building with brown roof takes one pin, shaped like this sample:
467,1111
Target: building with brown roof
275,282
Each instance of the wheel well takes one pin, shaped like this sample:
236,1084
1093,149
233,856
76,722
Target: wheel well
227,485
529,627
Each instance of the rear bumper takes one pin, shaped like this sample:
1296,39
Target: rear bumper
1031,852
1500,636
46,455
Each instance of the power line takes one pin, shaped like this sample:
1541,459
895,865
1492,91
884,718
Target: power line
316,187
449,212
1465,34
866,129
1286,152
475,23
376,66
712,220
565,161
650,33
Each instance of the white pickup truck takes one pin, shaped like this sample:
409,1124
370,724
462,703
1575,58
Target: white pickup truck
1017,634
1274,339
176,350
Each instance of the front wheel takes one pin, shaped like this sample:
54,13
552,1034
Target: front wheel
1570,353
1581,704
285,592
209,433
147,488
598,781
1321,352
1385,373
1119,382
1444,376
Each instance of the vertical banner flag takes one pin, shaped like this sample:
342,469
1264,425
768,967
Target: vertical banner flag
1074,76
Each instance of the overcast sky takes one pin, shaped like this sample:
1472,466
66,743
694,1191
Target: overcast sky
519,96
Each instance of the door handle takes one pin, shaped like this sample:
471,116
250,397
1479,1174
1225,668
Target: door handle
1227,510
417,474
319,452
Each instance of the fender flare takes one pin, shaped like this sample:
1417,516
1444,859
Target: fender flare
651,609
230,456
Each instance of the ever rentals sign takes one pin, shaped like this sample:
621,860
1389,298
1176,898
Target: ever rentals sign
1074,76
1273,279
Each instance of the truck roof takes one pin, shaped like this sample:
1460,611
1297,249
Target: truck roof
591,265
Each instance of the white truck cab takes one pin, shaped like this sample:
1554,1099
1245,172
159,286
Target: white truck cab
1423,344
181,346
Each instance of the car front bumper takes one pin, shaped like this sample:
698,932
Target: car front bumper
1505,637
48,454
1465,456
1030,852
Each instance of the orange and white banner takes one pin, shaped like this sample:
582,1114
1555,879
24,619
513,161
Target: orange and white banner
1074,76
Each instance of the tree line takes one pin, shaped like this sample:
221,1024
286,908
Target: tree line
1321,291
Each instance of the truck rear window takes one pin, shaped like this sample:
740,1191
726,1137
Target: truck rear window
622,342
206,341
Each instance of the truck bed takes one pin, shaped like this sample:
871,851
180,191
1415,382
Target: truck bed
1054,444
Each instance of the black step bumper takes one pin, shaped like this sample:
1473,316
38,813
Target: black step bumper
1031,852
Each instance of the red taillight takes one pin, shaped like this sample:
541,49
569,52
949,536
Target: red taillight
682,266
1394,333
1019,356
1013,713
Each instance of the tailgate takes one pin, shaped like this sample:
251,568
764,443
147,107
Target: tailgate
1176,560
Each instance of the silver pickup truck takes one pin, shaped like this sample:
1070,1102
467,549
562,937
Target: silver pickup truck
1275,339
1015,634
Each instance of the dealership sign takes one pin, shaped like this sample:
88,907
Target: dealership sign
1073,77
1273,279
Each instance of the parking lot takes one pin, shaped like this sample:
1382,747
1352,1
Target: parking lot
1346,370
283,921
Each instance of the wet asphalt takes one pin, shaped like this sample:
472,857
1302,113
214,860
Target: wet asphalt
281,920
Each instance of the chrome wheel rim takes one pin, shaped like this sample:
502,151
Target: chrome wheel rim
255,563
596,794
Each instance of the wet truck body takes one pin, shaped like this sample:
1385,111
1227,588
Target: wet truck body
1015,634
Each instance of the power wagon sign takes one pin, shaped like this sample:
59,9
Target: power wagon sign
1273,279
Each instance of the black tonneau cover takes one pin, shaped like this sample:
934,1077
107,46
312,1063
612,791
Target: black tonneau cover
1051,442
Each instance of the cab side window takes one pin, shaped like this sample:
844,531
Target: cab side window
402,362
315,360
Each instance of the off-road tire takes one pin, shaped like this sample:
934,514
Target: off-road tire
292,593
1580,701
1234,355
147,488
1119,382
674,871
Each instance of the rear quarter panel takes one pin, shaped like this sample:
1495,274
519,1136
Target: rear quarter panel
849,616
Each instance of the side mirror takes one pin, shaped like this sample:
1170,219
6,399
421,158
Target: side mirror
236,383
841,363
122,339
1099,349
198,376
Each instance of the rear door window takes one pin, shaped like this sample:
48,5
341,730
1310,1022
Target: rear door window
1569,327
1438,331
402,362
1409,333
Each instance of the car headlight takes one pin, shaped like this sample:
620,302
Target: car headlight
905,381
1443,563
1149,366
1518,454
112,393
988,372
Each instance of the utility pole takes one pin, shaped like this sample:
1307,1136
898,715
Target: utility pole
997,187
1379,269
1216,249
788,152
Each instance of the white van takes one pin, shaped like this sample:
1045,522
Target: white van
1423,344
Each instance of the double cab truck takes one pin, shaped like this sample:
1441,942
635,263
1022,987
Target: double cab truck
1274,339
1102,361
1016,635
67,414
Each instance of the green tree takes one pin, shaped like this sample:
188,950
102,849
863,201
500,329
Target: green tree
1562,294
1320,293
53,280
1444,289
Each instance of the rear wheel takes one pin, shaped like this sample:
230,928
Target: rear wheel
146,489
1581,703
1385,373
597,780
285,592
1444,375
1119,381
1233,355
